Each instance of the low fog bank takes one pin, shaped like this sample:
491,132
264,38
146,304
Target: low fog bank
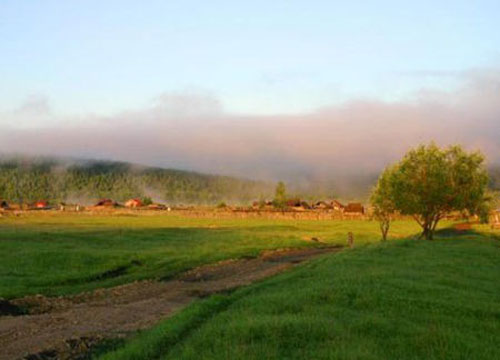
326,149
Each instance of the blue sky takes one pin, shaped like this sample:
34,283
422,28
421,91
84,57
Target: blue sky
256,57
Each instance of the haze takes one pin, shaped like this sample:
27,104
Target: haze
289,90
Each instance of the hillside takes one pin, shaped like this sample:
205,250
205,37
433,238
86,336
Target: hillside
31,179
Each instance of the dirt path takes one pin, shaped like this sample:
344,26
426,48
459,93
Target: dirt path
65,328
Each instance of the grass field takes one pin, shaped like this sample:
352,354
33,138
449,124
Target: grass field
57,254
402,299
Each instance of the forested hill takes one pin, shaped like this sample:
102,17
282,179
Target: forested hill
32,179
81,181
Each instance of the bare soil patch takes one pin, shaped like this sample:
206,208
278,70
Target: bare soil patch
68,327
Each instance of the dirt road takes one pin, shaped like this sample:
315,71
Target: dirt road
65,328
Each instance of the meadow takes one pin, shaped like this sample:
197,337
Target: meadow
66,253
401,299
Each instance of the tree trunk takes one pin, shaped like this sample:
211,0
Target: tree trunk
427,232
384,227
429,226
434,225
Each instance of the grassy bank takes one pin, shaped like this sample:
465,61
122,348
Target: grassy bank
56,254
404,299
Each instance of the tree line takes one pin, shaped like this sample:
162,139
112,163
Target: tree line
29,180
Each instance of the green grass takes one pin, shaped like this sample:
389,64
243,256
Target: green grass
57,254
402,299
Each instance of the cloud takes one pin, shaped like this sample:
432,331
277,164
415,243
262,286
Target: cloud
35,104
192,131
187,105
432,73
33,111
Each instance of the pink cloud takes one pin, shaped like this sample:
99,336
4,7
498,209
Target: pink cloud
194,132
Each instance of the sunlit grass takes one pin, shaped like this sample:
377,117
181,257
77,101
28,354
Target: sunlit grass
55,254
403,299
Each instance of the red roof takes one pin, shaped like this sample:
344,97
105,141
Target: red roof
41,204
105,202
134,203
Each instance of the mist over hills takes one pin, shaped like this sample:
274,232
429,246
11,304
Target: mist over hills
331,144
28,179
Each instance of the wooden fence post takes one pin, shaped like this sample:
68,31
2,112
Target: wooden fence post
350,239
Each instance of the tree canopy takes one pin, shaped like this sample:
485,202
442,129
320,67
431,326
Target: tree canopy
430,182
280,196
27,180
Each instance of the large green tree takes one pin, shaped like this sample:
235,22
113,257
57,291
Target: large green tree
430,182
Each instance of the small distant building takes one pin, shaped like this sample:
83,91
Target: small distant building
305,205
106,203
322,205
134,203
293,203
354,208
337,205
41,204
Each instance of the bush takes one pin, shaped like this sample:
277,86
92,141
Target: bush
222,205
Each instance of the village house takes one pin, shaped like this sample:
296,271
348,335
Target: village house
41,204
337,205
354,208
133,203
106,203
297,204
305,205
293,203
321,205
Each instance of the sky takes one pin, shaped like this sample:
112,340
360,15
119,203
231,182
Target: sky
259,88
